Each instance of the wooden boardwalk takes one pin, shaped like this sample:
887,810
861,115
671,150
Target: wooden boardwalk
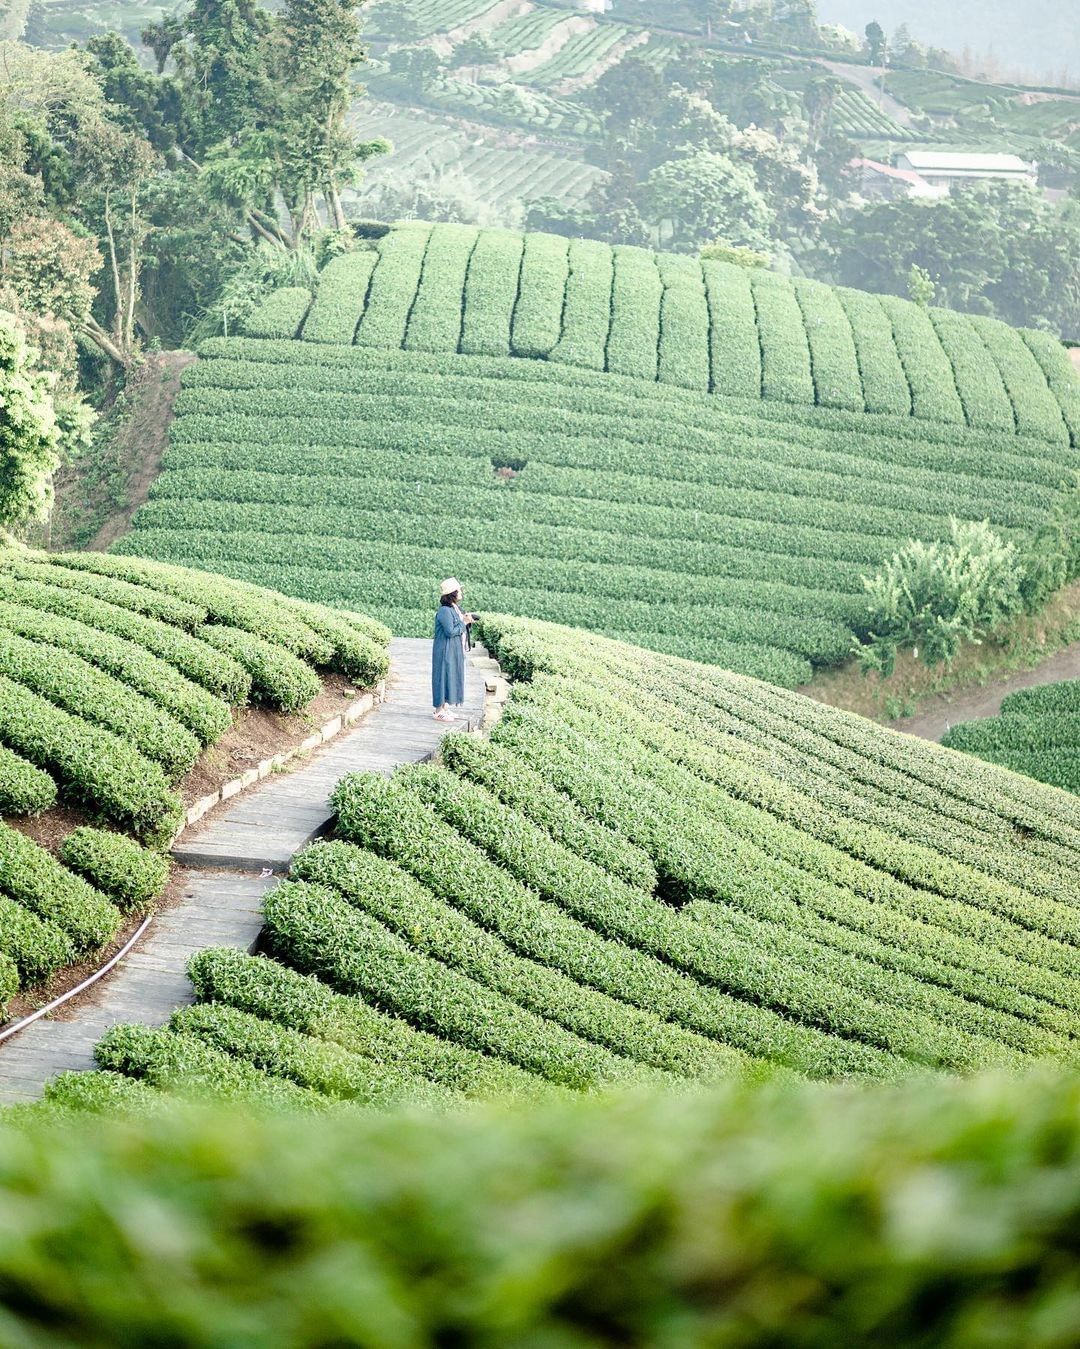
230,861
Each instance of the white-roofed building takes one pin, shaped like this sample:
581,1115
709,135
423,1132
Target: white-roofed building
948,168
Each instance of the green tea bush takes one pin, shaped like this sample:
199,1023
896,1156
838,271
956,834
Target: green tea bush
942,1213
133,877
281,314
35,879
269,990
24,789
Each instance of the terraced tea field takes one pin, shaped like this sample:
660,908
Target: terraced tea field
427,151
692,459
115,675
651,872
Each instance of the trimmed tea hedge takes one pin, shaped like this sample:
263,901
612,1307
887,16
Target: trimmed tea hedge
114,673
1037,733
699,325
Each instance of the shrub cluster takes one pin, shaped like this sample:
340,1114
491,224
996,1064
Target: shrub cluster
131,876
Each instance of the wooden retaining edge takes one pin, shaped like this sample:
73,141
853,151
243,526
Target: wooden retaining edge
348,718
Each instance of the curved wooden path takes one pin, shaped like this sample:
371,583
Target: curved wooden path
230,862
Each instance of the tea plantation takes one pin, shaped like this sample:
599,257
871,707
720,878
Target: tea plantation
687,456
115,674
652,872
1037,733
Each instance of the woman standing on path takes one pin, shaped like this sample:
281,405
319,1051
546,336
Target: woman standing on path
448,651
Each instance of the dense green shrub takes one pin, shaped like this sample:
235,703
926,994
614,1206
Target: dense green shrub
317,931
182,1063
133,877
931,597
940,1213
282,313
35,945
269,990
1037,733
24,789
93,766
739,515
35,879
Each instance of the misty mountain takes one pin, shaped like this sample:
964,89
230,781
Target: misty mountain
1039,36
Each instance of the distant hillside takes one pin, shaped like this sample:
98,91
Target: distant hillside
1042,36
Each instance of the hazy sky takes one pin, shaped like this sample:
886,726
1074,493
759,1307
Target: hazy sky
1043,35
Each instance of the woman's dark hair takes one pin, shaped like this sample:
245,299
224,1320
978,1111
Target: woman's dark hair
450,599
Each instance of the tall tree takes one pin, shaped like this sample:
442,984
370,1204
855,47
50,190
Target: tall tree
28,434
320,49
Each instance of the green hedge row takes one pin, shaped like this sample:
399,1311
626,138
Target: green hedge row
885,386
203,713
391,820
92,766
269,990
734,349
35,879
433,324
35,946
133,877
537,322
978,381
58,571
24,789
393,285
1037,733
73,684
501,962
573,303
490,294
929,372
586,306
340,298
317,931
185,1065
282,314
684,352
290,1056
633,344
833,358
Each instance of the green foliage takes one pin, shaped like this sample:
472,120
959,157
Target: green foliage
28,433
721,250
35,879
751,520
832,1186
132,876
931,597
266,989
281,314
24,789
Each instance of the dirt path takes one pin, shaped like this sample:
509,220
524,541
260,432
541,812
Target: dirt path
947,710
144,436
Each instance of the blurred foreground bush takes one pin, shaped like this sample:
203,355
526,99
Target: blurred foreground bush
940,1213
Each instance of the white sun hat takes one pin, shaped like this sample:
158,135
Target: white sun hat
449,586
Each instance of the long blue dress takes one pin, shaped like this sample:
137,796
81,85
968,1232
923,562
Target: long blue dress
448,658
